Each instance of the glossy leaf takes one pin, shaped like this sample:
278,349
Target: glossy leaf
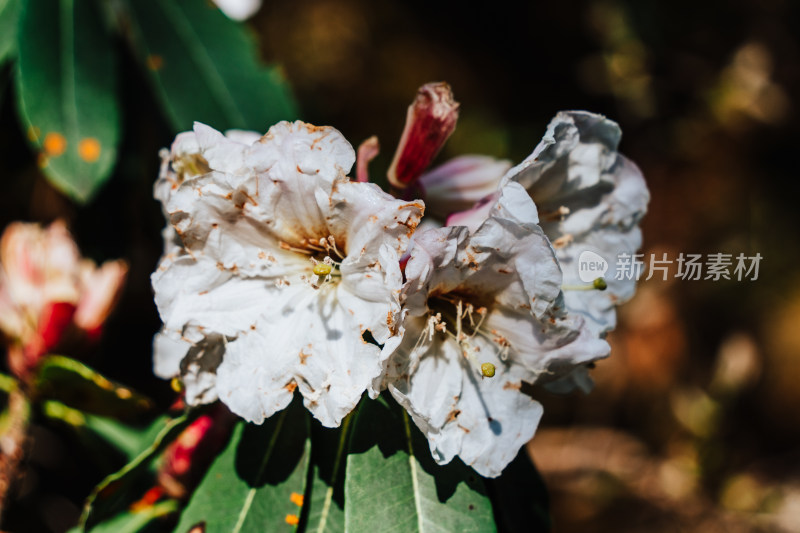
66,94
205,68
393,484
9,13
75,384
256,484
116,491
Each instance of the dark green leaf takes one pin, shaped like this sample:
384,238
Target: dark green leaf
75,384
257,482
9,14
520,497
393,484
129,441
114,493
205,68
324,511
65,93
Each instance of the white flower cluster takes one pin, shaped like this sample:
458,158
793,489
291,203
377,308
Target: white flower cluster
280,274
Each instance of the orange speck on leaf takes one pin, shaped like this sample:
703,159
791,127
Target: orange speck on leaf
292,519
297,499
154,62
89,149
54,144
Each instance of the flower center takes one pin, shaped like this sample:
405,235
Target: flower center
460,320
324,268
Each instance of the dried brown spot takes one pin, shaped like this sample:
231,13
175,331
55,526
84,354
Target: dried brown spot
512,386
310,128
262,255
504,271
373,218
453,415
291,386
253,327
220,266
202,293
304,356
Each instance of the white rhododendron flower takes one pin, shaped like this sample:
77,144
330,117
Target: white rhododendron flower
239,9
591,198
484,320
287,266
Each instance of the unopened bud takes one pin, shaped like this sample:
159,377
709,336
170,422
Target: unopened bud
429,122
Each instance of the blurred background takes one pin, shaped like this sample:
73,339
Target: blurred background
694,422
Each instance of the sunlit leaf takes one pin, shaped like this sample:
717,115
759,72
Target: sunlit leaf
75,384
393,484
9,14
205,67
133,521
66,94
257,483
116,491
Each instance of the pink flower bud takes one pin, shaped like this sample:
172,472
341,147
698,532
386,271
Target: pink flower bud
429,122
186,460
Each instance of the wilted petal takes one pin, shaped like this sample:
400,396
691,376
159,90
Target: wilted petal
591,198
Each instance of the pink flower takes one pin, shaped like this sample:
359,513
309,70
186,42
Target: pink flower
45,287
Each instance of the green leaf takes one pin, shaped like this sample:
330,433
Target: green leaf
9,14
204,67
134,521
112,494
75,384
7,383
520,497
127,440
393,484
66,97
257,482
324,511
